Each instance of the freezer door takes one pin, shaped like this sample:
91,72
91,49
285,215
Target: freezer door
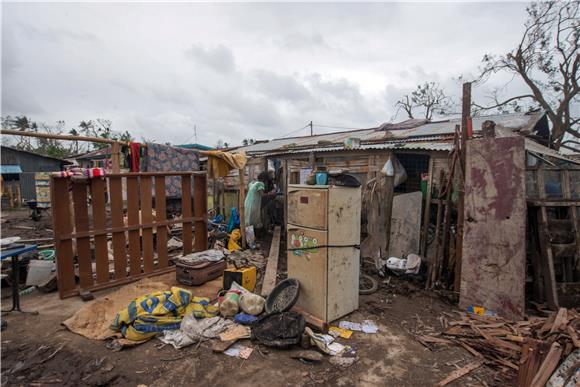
308,207
309,265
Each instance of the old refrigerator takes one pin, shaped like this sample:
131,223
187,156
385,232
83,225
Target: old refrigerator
323,232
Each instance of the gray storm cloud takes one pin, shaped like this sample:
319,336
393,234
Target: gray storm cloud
239,70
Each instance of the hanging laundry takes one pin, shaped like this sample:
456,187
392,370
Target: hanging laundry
135,152
219,164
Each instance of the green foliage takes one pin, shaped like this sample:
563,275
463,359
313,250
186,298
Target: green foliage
99,128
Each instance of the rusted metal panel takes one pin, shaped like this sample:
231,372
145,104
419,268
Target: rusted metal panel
405,225
494,248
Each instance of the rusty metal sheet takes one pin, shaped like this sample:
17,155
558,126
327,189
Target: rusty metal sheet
405,225
494,247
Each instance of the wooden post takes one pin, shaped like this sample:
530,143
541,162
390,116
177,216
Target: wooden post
116,157
285,176
427,213
546,247
241,199
465,113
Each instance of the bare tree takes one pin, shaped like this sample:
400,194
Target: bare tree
547,60
425,100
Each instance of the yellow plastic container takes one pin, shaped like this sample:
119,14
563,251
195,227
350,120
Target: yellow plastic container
245,276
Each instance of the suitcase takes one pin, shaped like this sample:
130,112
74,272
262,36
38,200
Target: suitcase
198,273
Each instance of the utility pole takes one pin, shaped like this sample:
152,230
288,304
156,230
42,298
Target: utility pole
311,133
195,133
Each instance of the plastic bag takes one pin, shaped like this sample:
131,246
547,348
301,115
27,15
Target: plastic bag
250,237
393,167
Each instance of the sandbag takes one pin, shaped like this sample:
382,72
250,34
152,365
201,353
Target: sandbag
252,303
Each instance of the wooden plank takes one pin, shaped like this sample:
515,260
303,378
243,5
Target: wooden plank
553,203
531,359
145,188
494,248
154,174
574,216
187,230
545,248
459,373
427,210
100,223
548,366
200,211
272,265
130,228
81,217
285,177
241,200
133,220
161,216
311,320
116,157
61,220
119,242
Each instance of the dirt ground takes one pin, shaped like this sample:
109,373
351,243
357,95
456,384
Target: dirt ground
38,351
18,223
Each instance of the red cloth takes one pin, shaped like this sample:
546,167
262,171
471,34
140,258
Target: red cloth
135,155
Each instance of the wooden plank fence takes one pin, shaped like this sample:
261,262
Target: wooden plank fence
83,221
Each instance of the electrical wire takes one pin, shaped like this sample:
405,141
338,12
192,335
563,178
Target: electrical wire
335,127
294,131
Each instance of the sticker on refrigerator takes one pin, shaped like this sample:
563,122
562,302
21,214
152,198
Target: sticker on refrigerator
303,244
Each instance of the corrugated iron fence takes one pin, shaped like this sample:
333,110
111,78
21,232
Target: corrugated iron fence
83,220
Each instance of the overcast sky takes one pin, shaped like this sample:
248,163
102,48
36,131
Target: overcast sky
240,70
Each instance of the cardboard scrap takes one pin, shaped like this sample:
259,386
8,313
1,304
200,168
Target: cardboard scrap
340,332
239,350
235,333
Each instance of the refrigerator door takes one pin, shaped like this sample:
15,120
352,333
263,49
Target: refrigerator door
308,207
309,265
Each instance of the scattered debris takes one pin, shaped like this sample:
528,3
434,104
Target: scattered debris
459,373
309,356
239,350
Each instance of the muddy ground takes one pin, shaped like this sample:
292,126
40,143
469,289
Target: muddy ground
38,351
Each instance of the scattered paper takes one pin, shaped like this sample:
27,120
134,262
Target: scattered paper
340,332
239,350
336,348
369,326
350,326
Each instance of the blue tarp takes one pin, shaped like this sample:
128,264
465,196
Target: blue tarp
10,169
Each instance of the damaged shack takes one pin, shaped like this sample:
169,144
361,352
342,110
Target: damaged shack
414,211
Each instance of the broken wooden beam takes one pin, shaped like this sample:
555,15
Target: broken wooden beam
548,366
311,320
460,372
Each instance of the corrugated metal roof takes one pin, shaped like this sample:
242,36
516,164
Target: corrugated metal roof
416,145
432,131
10,169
